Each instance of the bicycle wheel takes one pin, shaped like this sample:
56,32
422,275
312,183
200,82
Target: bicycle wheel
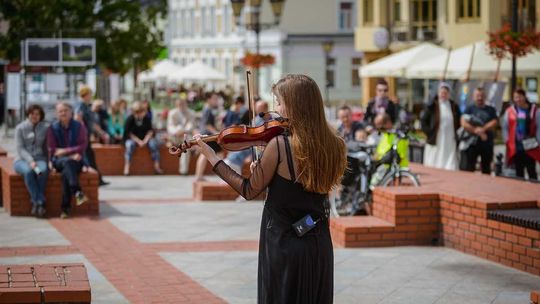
342,201
403,178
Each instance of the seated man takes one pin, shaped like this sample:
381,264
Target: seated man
67,141
349,129
236,159
138,132
235,113
180,122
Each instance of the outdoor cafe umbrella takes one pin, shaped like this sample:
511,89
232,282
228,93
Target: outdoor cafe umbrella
472,62
160,71
396,65
196,72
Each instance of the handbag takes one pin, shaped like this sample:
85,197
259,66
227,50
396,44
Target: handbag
529,143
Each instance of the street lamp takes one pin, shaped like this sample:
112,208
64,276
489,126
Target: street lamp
254,23
327,46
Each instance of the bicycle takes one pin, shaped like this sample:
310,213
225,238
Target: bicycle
356,188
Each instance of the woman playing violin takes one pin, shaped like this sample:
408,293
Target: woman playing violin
299,170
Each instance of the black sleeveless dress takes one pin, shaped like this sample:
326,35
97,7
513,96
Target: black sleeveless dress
294,269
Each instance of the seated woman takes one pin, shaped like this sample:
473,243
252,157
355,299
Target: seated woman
117,118
31,161
138,132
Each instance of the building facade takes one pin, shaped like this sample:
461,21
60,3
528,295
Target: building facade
449,23
206,30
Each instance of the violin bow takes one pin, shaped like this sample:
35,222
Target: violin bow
251,109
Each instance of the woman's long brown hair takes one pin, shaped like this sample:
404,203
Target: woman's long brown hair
319,153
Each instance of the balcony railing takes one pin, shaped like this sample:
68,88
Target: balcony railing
413,33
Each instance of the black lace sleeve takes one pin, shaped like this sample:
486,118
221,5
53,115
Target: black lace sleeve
263,173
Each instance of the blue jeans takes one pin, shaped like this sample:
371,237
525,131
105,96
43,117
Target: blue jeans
237,158
70,170
132,145
34,183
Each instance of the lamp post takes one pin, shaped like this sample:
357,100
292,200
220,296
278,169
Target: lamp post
327,46
254,23
514,29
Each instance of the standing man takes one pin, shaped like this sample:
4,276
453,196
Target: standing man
479,120
83,114
380,104
67,140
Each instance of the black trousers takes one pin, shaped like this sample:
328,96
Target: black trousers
91,158
523,161
469,157
70,170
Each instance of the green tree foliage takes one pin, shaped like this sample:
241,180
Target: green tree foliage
126,31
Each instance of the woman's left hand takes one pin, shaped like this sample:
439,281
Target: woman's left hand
206,150
253,165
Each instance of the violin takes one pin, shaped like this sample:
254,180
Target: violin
240,137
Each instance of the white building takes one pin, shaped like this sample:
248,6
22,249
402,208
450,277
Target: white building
205,30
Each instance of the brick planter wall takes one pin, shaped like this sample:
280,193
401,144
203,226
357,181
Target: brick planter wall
16,199
450,209
110,161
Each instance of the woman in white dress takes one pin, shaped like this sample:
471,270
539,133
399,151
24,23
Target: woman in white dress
440,120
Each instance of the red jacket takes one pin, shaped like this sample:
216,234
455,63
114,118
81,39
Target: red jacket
511,140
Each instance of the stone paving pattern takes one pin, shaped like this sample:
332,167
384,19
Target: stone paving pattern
152,243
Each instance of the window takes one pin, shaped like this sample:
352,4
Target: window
212,23
203,21
330,72
526,14
183,17
469,9
345,16
192,22
172,19
424,19
368,11
226,19
397,10
355,79
227,67
213,63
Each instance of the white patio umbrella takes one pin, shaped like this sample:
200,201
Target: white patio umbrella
396,65
484,66
197,71
160,71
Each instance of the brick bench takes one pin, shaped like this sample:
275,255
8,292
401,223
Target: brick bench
217,191
16,199
451,209
49,283
110,161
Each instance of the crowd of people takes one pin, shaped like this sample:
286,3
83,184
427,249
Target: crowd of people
65,145
454,140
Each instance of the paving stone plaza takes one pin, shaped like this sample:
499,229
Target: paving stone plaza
152,242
